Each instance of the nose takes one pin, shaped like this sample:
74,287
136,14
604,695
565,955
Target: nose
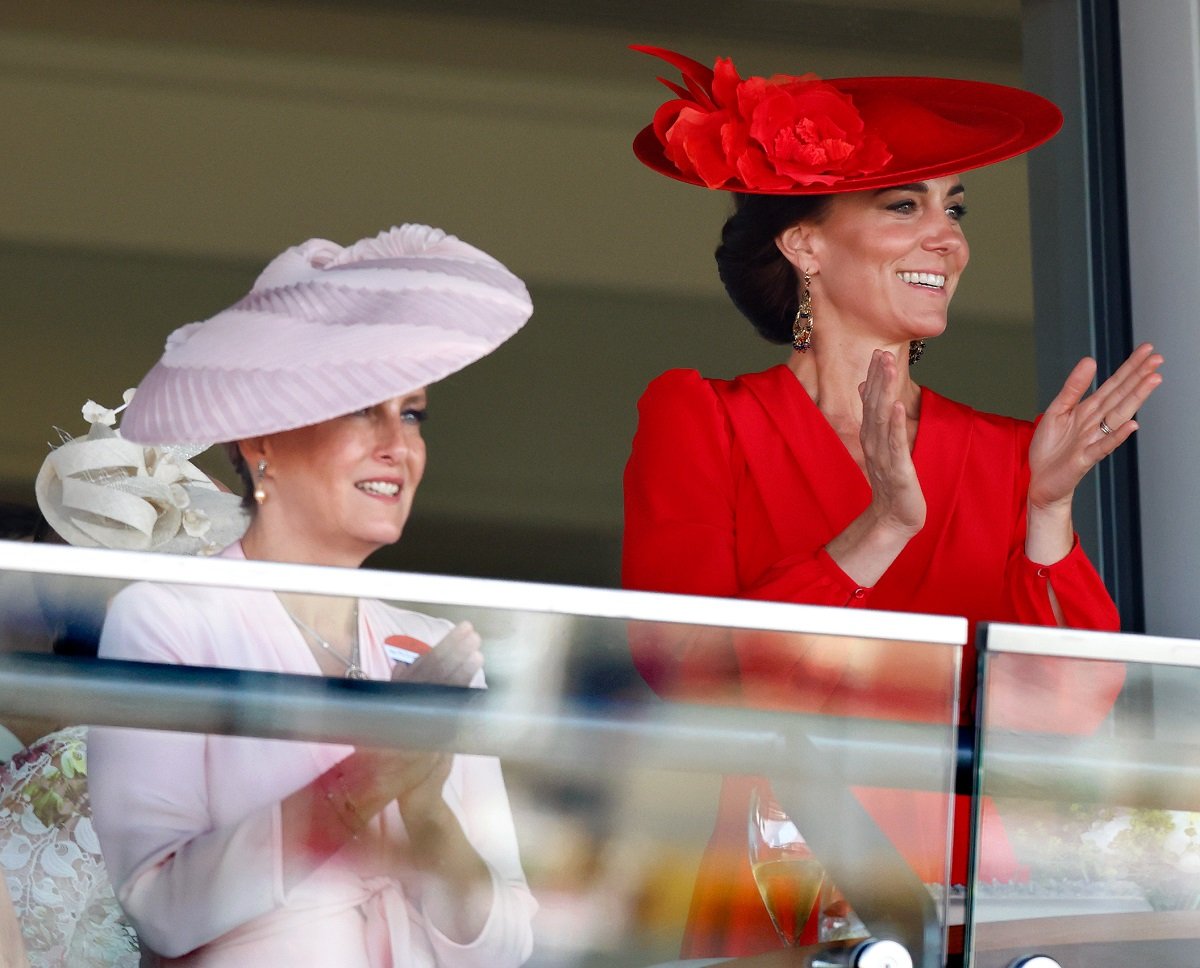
943,235
392,434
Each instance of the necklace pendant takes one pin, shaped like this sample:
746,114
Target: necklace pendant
354,672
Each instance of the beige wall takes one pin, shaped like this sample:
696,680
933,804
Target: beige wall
159,152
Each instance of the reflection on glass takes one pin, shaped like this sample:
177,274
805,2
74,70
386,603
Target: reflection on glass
1083,857
612,795
1102,826
240,847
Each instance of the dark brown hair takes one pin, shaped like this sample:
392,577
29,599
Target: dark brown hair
243,473
759,280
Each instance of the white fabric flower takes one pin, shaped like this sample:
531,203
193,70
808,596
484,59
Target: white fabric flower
94,413
196,523
180,497
162,466
104,491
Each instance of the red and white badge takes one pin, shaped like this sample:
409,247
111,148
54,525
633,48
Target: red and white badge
404,648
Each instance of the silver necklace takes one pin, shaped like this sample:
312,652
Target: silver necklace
353,669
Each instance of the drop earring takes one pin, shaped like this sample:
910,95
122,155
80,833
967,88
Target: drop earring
916,349
802,325
260,495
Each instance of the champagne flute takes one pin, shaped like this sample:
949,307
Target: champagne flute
788,875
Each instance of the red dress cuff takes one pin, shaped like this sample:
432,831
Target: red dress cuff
1078,588
856,594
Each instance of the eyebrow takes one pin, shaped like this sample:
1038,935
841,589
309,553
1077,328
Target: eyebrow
920,188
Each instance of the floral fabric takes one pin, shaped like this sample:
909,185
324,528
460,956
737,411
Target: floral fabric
51,862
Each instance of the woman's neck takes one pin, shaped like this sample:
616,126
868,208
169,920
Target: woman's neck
267,539
334,619
832,370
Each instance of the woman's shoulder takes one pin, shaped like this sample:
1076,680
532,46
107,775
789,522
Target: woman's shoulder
678,405
676,385
188,624
685,388
684,380
159,595
149,595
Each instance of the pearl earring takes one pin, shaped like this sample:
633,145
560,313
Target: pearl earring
260,495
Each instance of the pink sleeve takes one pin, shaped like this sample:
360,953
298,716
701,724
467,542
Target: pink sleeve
507,936
182,883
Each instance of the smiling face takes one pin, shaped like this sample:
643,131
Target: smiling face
341,489
884,264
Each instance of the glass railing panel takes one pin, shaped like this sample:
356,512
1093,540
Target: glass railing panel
615,826
1088,825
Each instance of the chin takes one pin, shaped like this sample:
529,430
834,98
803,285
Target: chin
387,536
380,540
930,330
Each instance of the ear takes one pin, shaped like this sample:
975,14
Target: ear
797,245
253,449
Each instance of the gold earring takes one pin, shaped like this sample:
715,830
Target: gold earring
916,349
260,495
802,325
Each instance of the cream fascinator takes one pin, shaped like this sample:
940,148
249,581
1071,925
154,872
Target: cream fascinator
102,491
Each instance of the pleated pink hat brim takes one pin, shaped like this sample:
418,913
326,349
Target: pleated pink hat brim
327,331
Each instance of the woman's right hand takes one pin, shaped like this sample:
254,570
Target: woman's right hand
897,501
873,540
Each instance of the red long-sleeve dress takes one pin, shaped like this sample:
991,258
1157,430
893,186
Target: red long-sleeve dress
733,489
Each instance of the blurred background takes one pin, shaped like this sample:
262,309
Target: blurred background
160,152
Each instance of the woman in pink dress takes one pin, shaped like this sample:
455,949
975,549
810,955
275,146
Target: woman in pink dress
236,851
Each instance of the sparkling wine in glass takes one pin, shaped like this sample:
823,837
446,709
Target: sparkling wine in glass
788,876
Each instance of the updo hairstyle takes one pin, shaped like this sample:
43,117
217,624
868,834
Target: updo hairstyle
759,280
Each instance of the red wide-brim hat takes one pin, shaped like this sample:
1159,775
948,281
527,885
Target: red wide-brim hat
804,135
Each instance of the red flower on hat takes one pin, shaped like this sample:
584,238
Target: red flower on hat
761,134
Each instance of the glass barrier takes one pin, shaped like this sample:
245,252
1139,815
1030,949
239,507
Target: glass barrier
1087,827
552,809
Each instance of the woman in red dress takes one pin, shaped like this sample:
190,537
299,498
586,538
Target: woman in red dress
834,478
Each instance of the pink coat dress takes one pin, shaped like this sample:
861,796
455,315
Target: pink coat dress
190,825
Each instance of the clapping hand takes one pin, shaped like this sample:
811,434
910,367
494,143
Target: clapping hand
896,495
454,661
871,542
1079,429
419,777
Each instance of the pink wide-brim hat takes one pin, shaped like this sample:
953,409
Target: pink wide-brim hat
327,330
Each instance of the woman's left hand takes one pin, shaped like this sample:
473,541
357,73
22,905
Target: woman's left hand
454,661
418,777
1078,431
